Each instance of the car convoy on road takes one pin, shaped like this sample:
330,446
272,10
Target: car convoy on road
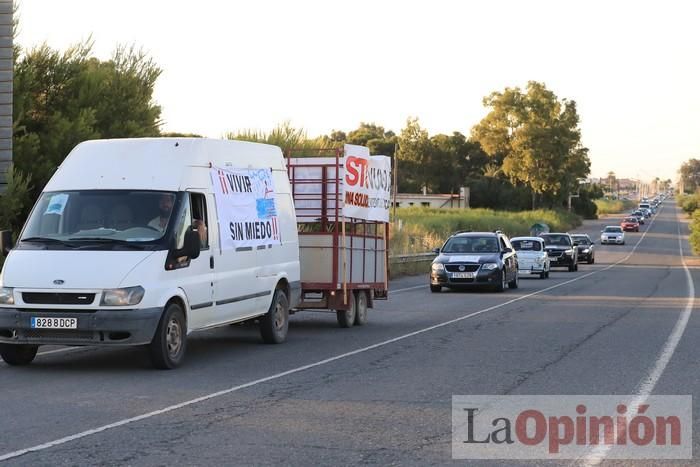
491,260
191,234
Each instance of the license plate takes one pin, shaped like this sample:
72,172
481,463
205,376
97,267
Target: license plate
525,271
462,275
54,323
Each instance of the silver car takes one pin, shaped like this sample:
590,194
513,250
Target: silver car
612,234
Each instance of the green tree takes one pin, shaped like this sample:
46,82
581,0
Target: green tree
538,138
367,132
690,175
413,156
63,98
292,140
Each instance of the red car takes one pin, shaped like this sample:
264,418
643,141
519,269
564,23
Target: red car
630,224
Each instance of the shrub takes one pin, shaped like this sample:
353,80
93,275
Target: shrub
421,229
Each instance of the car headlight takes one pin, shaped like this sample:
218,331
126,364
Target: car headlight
489,266
438,267
539,260
586,250
6,296
570,251
127,296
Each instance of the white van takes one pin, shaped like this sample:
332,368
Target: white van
142,241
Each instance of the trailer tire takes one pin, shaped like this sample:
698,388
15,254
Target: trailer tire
170,342
346,318
18,354
275,324
361,307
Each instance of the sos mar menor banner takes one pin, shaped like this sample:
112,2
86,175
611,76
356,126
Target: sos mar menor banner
367,185
245,204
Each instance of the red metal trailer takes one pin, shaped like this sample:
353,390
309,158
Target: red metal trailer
344,261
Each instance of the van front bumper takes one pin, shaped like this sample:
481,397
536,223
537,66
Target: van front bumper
100,327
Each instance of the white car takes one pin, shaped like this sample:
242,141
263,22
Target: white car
612,234
532,257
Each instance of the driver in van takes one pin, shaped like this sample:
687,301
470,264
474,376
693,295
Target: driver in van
165,206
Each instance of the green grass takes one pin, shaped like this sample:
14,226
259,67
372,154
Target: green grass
689,203
614,206
422,229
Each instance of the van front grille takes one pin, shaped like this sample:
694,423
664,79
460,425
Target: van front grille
51,298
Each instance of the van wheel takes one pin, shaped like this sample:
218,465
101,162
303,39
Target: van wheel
275,324
346,318
361,307
435,288
18,354
170,342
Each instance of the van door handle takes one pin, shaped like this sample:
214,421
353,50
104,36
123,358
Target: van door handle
211,262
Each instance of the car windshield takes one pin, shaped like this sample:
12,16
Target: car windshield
526,245
582,240
100,215
560,240
613,229
471,244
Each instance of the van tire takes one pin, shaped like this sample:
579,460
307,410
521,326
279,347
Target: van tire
362,308
170,342
346,318
18,354
275,323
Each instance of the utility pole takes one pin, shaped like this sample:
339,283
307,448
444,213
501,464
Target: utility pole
6,51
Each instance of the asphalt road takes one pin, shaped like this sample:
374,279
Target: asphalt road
378,394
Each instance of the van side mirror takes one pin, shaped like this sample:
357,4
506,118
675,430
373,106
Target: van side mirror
6,243
507,250
192,244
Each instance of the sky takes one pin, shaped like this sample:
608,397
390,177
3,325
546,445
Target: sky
633,67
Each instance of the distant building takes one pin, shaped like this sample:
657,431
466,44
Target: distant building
430,200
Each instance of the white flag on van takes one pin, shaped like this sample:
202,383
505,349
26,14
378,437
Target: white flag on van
245,204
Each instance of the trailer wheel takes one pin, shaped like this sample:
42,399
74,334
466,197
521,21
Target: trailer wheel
170,342
346,318
275,323
361,307
18,354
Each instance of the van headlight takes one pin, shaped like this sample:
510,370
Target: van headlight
6,296
489,266
438,267
127,296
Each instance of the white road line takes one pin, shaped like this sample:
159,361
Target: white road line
171,408
422,286
648,383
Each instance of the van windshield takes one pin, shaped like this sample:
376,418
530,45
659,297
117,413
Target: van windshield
100,216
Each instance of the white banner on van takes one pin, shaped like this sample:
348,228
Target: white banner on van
245,204
367,185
